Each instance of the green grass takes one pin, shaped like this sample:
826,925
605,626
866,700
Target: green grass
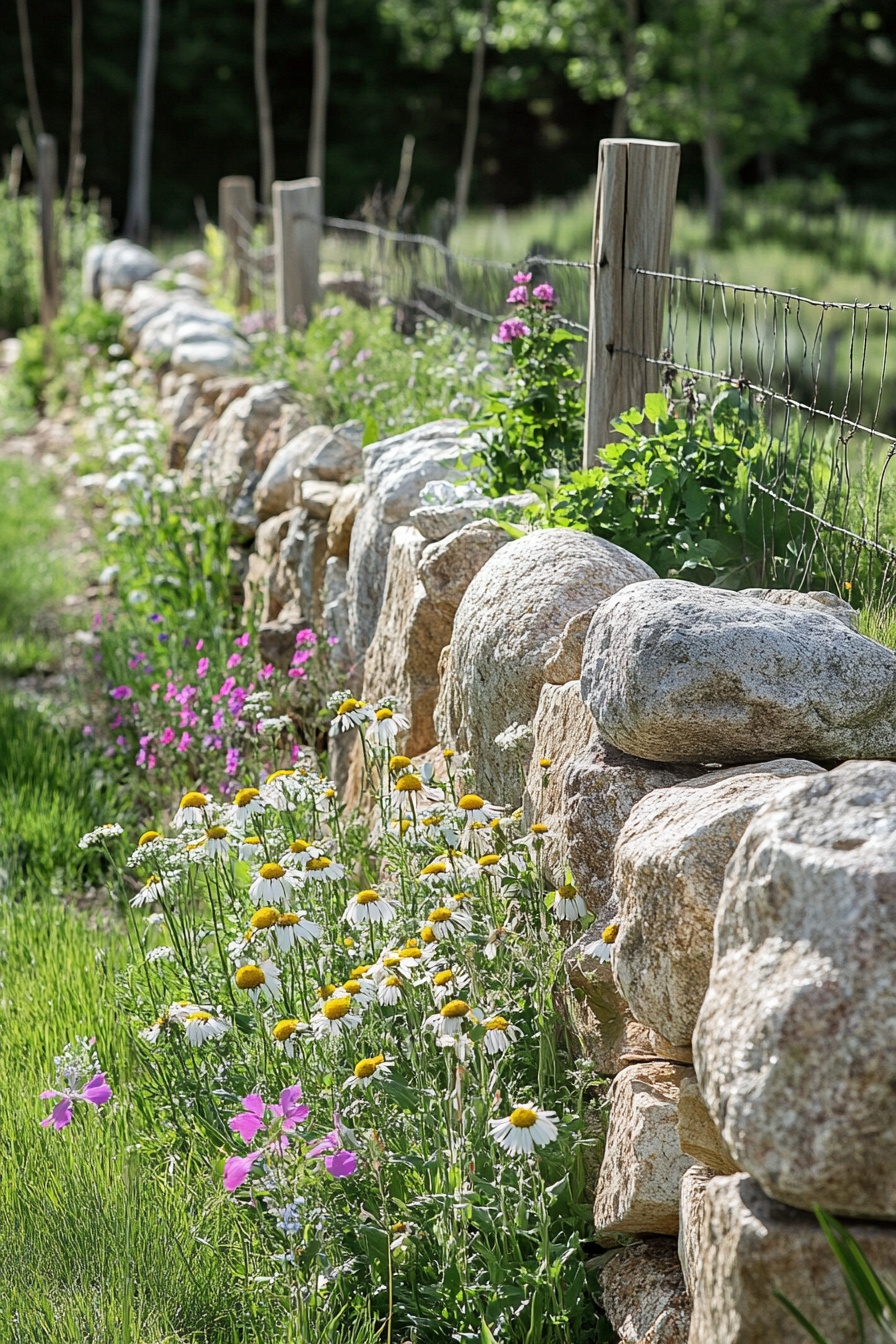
33,575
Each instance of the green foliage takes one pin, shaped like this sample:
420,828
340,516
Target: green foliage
56,363
867,1290
33,573
534,423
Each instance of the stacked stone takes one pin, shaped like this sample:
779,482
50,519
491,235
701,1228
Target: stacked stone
734,815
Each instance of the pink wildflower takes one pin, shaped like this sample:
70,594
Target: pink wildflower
202,667
242,641
234,660
184,743
227,685
522,277
121,693
168,736
97,1092
511,330
544,293
267,671
519,294
275,1120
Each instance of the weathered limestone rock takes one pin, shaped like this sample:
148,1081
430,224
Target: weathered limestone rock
342,519
676,672
271,534
795,1045
564,654
225,464
336,458
318,497
790,597
436,521
690,1226
277,639
116,265
597,792
644,1294
395,471
299,575
218,393
698,1134
562,729
267,446
335,614
668,871
293,419
600,1020
448,567
643,1163
749,1247
276,489
403,657
504,627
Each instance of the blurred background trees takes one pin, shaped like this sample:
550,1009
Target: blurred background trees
506,99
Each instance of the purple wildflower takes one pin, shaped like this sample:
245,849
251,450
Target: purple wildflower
202,667
97,1092
519,294
522,277
544,294
511,330
121,693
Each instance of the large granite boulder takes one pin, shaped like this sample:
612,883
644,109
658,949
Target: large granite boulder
504,630
224,464
676,672
746,1248
669,867
395,471
795,1045
116,265
643,1293
637,1190
561,731
277,487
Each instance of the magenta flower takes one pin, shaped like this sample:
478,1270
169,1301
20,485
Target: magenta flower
242,641
511,330
519,294
202,667
227,685
267,671
184,743
233,760
97,1092
339,1162
234,660
275,1119
522,277
544,293
121,693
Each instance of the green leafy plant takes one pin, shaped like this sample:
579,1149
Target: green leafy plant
865,1286
535,423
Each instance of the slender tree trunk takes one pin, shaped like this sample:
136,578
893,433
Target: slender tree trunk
622,106
320,90
75,163
263,103
474,99
37,121
137,221
715,182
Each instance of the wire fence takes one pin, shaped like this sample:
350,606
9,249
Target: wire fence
819,425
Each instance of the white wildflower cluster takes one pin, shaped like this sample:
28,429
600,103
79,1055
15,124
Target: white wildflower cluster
518,737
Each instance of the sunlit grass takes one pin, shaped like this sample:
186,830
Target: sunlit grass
34,576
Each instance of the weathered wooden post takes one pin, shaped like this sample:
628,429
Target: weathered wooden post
48,184
633,209
236,220
297,231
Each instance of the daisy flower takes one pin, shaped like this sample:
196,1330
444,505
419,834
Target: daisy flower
568,904
285,1033
217,843
448,920
446,983
409,791
201,1026
295,928
273,883
474,808
499,1034
367,1071
524,1129
324,869
335,1015
390,989
263,978
154,890
283,789
448,1021
368,907
385,727
193,811
300,854
348,712
250,848
360,989
246,803
601,948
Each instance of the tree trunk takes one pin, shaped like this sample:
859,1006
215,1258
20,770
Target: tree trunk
37,121
320,89
75,162
474,98
263,103
715,183
137,221
629,53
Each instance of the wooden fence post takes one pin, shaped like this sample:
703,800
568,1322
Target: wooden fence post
236,220
48,185
297,231
633,209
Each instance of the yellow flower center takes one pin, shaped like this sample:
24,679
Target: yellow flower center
251,840
522,1117
147,836
393,981
411,942
358,972
399,762
198,1017
489,860
265,918
391,959
409,784
348,942
216,833
610,934
496,1024
325,991
545,762
399,1227
410,954
366,1068
366,897
427,934
298,846
194,800
384,713
244,797
272,872
348,705
352,987
318,865
455,1008
448,753
440,915
470,802
153,877
336,1008
443,977
287,921
538,828
433,869
249,977
404,825
280,774
329,793
285,1028
567,892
